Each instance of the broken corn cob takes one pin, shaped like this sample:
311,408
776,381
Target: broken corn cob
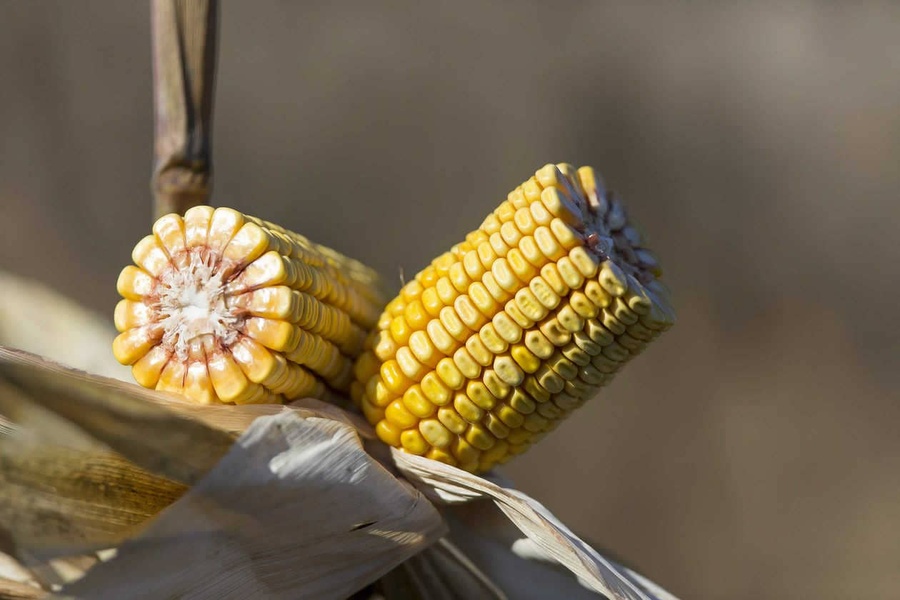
225,308
491,345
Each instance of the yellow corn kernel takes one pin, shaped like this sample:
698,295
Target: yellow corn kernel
459,278
506,327
535,390
510,234
524,221
509,416
480,396
385,346
584,341
508,371
467,454
549,380
413,442
148,368
435,433
411,367
435,389
417,403
544,293
567,237
450,419
467,409
499,246
450,374
561,207
467,313
486,254
495,385
529,305
505,211
432,302
440,337
441,456
400,330
479,437
504,276
446,291
529,249
416,315
491,339
394,378
482,300
520,402
472,265
555,332
495,426
539,213
569,319
549,411
512,309
388,433
548,244
598,333
591,375
538,344
583,306
493,288
613,279
397,414
467,365
494,453
453,325
568,368
525,358
133,344
478,351
424,351
522,269
550,275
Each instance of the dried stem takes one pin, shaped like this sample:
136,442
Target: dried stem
184,67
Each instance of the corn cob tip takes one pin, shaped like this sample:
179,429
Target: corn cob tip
221,307
499,338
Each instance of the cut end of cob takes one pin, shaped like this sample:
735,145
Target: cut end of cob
221,307
491,345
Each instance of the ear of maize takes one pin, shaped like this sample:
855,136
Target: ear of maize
221,307
494,342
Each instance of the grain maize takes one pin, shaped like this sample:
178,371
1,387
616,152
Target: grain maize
221,307
516,326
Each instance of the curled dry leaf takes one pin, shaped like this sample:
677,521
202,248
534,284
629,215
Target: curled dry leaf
296,506
450,484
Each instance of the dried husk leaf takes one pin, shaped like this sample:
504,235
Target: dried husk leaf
40,320
56,501
114,413
441,572
16,590
449,484
297,507
488,538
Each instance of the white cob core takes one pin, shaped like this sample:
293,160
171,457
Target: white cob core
193,309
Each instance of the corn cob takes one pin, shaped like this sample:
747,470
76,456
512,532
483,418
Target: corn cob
499,338
222,307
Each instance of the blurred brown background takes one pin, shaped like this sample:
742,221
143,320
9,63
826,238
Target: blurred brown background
753,451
